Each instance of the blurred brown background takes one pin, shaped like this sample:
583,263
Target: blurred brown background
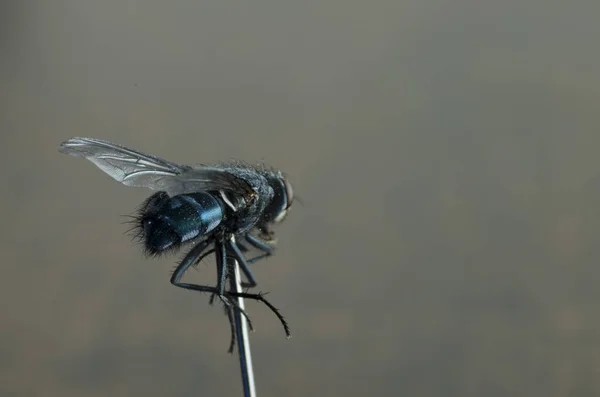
446,153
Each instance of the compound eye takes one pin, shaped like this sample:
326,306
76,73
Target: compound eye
284,199
289,192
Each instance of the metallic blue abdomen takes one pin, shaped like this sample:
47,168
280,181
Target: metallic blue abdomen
192,215
170,221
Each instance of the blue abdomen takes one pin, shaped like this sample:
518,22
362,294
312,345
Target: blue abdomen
170,221
192,215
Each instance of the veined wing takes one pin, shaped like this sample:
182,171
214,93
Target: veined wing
127,166
133,168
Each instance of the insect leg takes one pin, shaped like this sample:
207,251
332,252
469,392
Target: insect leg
242,246
188,261
219,273
222,269
259,244
257,297
229,312
204,255
256,242
237,254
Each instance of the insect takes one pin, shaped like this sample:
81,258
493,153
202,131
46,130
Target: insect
214,209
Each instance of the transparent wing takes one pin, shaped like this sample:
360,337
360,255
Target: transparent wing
127,166
133,168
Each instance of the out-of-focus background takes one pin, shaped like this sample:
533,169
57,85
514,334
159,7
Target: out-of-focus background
447,154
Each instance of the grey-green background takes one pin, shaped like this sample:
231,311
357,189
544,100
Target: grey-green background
447,157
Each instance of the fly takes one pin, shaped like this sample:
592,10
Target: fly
220,209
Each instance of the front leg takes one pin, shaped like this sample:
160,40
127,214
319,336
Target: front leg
266,246
243,264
